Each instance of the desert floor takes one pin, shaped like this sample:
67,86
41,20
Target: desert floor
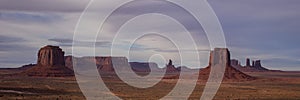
268,86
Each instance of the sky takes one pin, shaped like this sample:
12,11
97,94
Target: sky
257,29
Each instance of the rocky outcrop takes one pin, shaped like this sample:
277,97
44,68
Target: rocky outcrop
106,64
50,63
171,71
25,67
234,62
255,67
144,68
219,55
222,56
257,63
103,63
69,62
248,62
51,56
170,68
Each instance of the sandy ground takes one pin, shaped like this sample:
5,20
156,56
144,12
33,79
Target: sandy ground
268,86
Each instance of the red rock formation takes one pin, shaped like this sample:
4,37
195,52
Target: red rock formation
69,62
234,62
50,63
231,74
257,63
51,56
104,64
255,67
248,62
170,68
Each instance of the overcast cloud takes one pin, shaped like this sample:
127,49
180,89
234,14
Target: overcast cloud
258,29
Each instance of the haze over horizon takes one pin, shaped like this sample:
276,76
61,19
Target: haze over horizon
267,30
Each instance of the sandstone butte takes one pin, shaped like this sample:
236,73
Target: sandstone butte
50,63
230,74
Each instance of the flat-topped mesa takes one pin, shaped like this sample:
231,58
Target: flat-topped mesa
51,56
108,64
103,63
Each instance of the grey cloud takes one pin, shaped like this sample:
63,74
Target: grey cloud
8,43
69,43
9,39
61,40
182,50
257,26
14,47
162,7
16,58
138,47
17,16
43,5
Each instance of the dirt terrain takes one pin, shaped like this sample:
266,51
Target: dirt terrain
268,85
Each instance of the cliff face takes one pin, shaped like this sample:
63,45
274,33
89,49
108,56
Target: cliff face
69,62
51,56
219,55
222,55
50,63
103,64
